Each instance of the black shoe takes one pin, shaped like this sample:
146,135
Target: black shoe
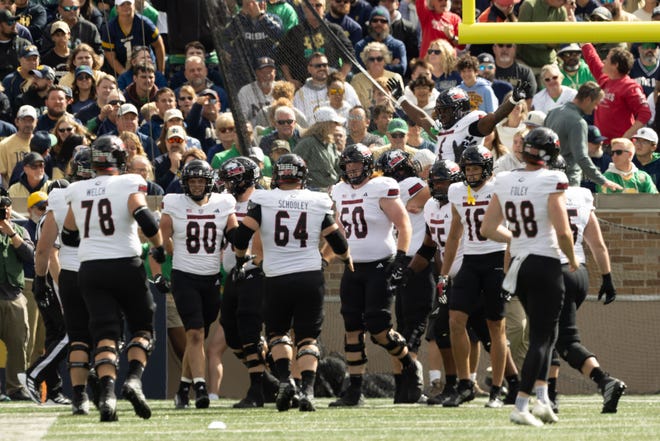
107,399
350,398
132,391
295,400
182,399
448,391
461,396
511,394
612,389
412,382
80,404
285,393
201,396
94,387
554,405
306,403
248,403
58,398
20,395
269,386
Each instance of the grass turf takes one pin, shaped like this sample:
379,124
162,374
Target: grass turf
579,419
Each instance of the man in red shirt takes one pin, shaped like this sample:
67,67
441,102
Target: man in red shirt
436,22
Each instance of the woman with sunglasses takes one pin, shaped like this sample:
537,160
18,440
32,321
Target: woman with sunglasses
554,93
336,89
84,89
82,55
185,99
374,56
442,57
66,128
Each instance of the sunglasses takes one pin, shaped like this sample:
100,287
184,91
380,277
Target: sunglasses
376,59
486,67
37,166
319,65
619,152
65,129
84,78
175,141
504,45
226,129
41,206
185,98
10,21
378,20
548,79
397,135
116,102
335,91
70,8
284,121
433,52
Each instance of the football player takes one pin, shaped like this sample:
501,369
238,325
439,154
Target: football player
193,225
532,201
368,208
291,221
102,220
413,301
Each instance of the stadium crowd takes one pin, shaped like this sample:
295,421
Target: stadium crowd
261,139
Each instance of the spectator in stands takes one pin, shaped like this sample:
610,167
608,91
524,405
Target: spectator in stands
379,31
14,147
487,71
437,21
285,129
498,11
13,46
513,123
338,14
58,55
82,55
624,110
375,56
33,178
403,30
441,55
618,13
141,165
646,158
336,92
285,11
360,12
41,80
420,67
132,145
127,121
42,143
84,89
143,88
225,131
584,8
202,116
509,70
28,60
293,61
105,85
622,170
482,96
197,76
140,55
603,14
573,67
106,121
646,68
358,124
513,159
422,88
174,117
33,16
56,104
281,90
166,166
256,95
645,12
554,94
66,129
381,115
600,159
81,29
397,137
165,100
22,31
140,30
538,55
186,98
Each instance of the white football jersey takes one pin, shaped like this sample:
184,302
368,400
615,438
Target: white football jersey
291,225
523,198
368,229
472,214
198,231
438,220
68,256
107,227
409,188
579,205
458,137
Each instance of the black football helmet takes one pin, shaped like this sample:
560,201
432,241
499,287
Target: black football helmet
57,184
478,155
452,105
558,163
289,169
357,153
81,164
197,169
108,152
540,146
397,164
239,174
443,170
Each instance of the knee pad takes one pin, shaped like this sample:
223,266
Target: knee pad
356,347
111,361
280,340
575,355
147,348
395,343
253,349
78,347
312,348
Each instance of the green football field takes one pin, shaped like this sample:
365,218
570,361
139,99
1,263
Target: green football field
579,419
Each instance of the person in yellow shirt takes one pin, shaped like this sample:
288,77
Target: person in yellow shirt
33,178
14,147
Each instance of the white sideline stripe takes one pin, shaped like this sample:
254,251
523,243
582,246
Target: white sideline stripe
630,298
25,428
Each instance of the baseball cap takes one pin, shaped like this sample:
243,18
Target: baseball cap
26,110
535,118
121,2
506,3
6,17
280,144
42,141
208,92
601,12
176,132
38,198
264,62
172,113
29,51
32,158
257,153
84,70
425,158
647,133
573,47
327,113
44,71
60,25
127,108
397,125
485,58
594,136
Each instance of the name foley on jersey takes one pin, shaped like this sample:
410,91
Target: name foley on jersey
296,205
519,191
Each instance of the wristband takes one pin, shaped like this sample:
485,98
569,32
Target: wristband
400,100
512,101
